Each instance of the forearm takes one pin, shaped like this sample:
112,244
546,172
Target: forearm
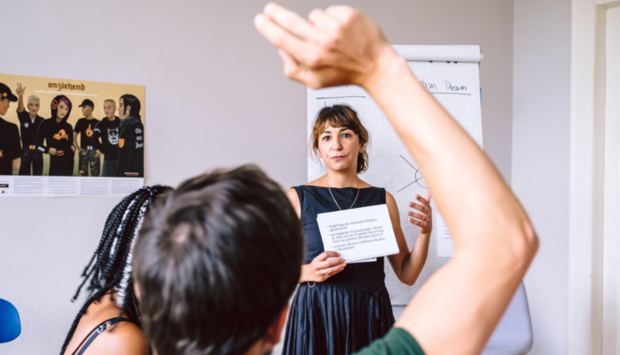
16,163
431,135
492,254
414,262
20,104
97,144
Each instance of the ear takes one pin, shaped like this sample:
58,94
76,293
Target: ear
128,108
362,147
275,330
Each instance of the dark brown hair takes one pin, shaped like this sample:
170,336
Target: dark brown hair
216,263
341,116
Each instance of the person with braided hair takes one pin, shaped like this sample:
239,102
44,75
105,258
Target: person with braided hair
112,302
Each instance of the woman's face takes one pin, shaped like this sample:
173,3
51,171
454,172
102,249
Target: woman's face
4,106
123,112
62,111
339,147
33,107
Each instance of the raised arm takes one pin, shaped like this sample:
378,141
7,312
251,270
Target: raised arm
20,97
457,309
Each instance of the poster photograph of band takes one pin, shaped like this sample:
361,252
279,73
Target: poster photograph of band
61,137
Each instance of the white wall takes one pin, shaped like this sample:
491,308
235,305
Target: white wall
215,96
540,153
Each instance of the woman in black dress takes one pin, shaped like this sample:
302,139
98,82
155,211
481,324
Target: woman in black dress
338,308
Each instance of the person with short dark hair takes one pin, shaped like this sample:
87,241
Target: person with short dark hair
105,138
55,137
216,260
87,152
109,320
29,122
10,148
216,263
131,138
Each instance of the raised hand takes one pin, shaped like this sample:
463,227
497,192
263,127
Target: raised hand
20,90
423,219
337,46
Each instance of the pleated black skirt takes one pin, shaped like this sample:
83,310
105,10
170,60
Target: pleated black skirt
336,319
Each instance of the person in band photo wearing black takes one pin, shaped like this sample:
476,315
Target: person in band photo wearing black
10,148
87,152
131,139
57,134
29,122
105,138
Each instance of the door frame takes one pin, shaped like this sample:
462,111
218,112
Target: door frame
587,170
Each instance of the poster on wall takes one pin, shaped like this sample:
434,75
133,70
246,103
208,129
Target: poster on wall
70,138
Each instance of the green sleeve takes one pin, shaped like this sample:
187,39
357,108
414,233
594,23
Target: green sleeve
396,342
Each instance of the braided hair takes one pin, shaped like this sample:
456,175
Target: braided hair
110,266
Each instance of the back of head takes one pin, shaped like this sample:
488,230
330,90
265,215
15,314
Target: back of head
109,269
216,263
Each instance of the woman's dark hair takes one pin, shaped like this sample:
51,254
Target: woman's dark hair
110,266
216,263
130,100
346,117
54,106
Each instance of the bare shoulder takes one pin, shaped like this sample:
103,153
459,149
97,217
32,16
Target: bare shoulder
390,201
124,338
294,199
292,196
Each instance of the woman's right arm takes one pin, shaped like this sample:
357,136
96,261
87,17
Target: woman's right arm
320,269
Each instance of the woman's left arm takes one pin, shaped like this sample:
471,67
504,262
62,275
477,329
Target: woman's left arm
408,265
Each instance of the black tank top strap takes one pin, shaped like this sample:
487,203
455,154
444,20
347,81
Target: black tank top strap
98,330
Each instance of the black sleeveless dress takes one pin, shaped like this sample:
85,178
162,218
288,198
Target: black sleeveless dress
350,309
